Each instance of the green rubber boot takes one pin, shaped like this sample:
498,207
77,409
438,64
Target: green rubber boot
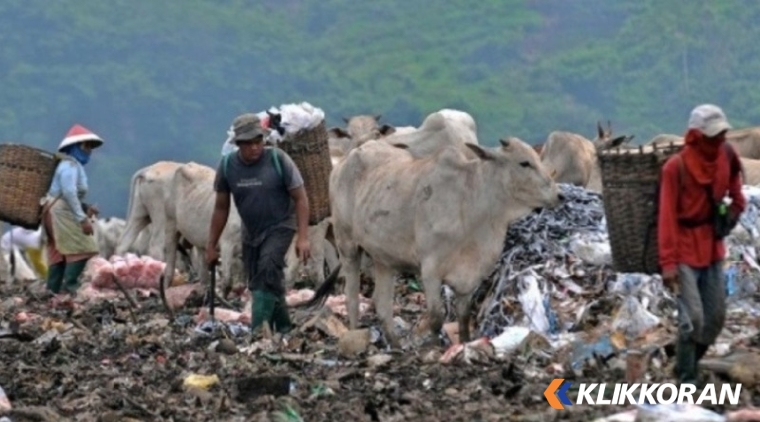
262,309
281,316
71,276
55,277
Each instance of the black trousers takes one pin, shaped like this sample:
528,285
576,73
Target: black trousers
265,262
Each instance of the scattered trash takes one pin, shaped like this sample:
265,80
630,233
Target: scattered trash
200,381
676,412
249,388
5,404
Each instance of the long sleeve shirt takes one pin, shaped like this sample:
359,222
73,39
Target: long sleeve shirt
682,198
70,183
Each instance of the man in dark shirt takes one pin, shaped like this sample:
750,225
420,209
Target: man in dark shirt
270,197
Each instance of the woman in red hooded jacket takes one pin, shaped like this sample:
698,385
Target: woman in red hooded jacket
691,257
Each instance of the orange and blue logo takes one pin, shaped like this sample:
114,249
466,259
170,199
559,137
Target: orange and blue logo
556,394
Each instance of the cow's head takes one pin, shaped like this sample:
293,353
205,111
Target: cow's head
604,139
516,168
365,127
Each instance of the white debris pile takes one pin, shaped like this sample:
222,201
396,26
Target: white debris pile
288,118
294,118
742,270
566,245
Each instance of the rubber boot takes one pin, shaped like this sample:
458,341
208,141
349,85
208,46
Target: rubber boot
262,309
281,316
71,276
55,277
700,352
686,362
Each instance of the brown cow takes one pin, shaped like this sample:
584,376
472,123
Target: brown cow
745,141
571,158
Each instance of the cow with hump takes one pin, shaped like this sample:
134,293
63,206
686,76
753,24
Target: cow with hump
189,207
442,216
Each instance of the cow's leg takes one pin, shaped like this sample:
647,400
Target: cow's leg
134,227
349,258
170,251
383,297
463,304
432,286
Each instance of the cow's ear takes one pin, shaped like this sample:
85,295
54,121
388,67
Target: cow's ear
386,130
338,132
480,152
618,141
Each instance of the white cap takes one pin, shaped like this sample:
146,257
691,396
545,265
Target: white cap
709,119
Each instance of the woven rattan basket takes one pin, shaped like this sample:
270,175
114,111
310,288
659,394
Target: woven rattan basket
630,179
25,176
310,151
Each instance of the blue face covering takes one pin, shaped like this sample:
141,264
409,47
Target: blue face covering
78,153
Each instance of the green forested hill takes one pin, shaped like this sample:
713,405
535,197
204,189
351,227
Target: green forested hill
162,80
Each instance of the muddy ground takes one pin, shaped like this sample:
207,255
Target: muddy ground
95,364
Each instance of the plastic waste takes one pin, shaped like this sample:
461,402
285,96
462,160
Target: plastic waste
730,277
509,340
632,319
200,381
675,412
583,351
532,301
5,404
592,248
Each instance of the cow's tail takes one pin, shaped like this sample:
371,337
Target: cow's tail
137,177
325,289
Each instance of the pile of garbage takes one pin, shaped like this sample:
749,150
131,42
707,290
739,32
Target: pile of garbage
564,245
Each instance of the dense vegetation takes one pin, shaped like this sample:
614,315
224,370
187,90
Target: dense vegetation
162,80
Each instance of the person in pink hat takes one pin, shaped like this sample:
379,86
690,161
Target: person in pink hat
66,218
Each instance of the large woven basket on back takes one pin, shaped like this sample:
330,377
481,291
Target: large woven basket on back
25,176
630,179
310,151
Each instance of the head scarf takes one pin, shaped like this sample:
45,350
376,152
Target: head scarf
77,152
700,155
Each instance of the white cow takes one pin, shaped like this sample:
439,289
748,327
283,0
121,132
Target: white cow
322,253
109,231
147,197
440,129
146,213
189,207
442,217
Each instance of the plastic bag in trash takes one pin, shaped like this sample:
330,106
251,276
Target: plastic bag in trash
592,248
647,288
532,300
509,340
632,319
684,412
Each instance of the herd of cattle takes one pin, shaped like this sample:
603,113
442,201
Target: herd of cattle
429,201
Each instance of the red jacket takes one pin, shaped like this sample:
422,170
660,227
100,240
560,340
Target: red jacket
693,246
